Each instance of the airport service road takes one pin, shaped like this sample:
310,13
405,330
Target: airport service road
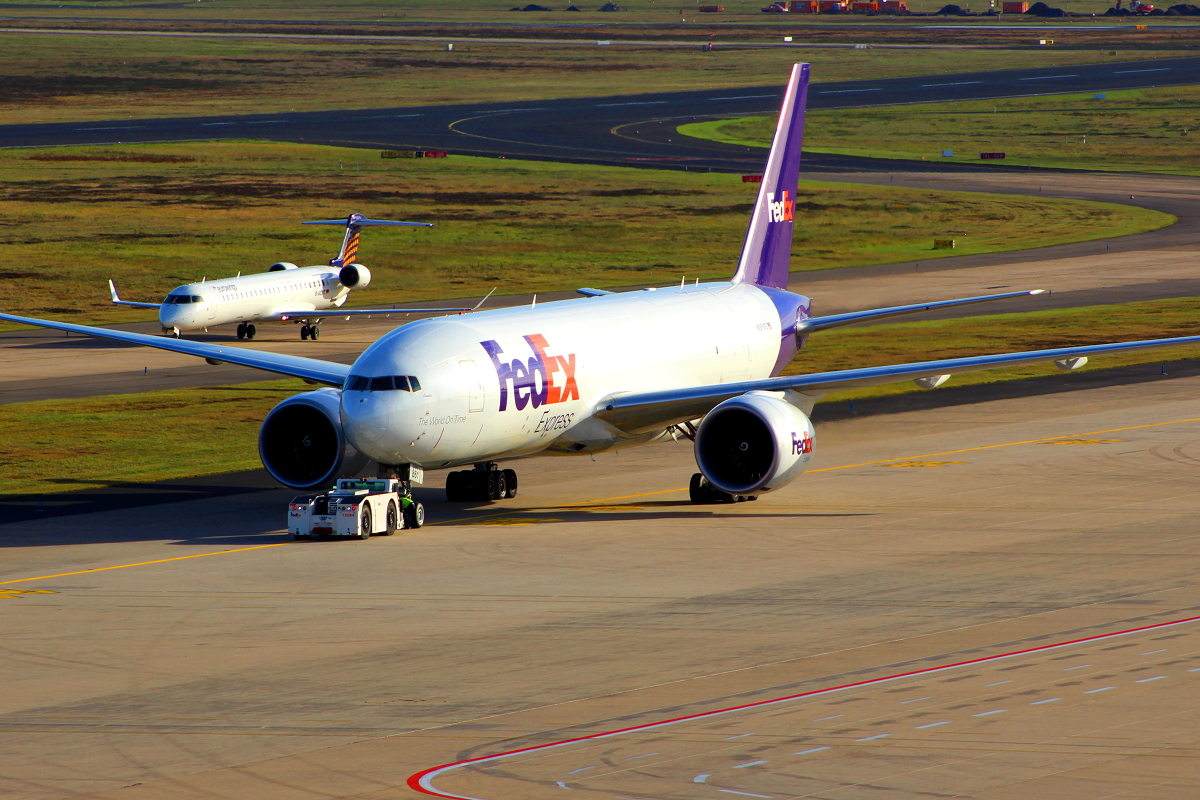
191,651
607,130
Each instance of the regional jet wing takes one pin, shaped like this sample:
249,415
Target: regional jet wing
112,290
855,317
310,369
646,411
351,312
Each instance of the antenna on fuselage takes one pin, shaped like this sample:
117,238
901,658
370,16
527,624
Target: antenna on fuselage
534,303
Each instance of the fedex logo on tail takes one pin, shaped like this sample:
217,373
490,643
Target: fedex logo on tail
801,445
542,379
782,210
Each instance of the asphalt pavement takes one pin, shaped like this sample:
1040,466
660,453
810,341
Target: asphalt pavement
620,129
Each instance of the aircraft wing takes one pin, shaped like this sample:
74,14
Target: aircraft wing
310,369
855,317
354,312
112,290
638,412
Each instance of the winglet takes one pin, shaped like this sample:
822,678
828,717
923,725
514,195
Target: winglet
767,250
112,290
485,297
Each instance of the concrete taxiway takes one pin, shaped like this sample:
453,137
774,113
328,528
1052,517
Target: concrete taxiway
189,650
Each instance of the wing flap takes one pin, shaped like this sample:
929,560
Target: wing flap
310,369
645,411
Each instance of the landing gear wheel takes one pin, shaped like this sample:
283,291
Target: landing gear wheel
250,331
489,490
303,536
304,332
704,493
364,523
314,332
501,481
510,479
241,331
393,520
175,334
414,516
455,491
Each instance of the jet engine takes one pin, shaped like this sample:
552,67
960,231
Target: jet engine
354,276
280,266
755,443
301,442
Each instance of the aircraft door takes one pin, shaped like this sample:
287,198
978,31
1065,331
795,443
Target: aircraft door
474,383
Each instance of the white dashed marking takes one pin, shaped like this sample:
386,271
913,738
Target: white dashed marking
739,736
986,685
989,713
1043,702
1156,678
835,716
813,750
643,755
581,769
931,725
750,764
701,778
1081,666
917,700
876,736
1103,689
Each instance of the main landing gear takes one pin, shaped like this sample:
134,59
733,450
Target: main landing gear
245,331
310,332
485,483
704,493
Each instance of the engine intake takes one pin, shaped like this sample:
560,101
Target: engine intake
354,276
301,442
754,443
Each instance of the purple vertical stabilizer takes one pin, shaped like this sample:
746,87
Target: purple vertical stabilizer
768,246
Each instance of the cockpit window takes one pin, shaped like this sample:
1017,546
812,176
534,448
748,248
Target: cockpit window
382,383
197,298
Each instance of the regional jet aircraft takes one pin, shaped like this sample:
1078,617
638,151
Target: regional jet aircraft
284,293
592,374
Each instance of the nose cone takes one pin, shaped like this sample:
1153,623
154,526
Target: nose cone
365,417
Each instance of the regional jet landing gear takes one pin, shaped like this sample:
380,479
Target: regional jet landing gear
485,483
704,493
310,332
172,332
245,331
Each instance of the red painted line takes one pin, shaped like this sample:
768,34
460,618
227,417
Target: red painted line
423,781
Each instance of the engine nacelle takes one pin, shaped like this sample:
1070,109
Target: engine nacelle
755,443
302,445
354,276
280,266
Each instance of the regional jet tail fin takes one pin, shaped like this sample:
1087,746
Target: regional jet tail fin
767,250
354,225
112,290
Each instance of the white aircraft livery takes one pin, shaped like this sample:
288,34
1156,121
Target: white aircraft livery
595,373
284,293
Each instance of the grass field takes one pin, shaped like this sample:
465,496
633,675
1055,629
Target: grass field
643,11
56,78
1147,130
89,439
152,217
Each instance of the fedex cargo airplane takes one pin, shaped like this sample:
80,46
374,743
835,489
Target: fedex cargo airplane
284,293
595,373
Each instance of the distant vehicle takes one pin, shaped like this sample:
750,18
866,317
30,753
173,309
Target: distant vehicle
702,362
775,8
1137,8
284,293
357,508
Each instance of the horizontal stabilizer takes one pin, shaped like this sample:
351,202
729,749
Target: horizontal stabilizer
856,317
363,221
593,292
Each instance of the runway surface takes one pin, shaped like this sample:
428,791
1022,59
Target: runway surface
189,650
606,130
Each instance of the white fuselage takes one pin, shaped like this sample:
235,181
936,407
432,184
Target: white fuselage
518,381
264,297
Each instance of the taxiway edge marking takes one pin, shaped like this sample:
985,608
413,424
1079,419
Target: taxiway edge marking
423,781
143,563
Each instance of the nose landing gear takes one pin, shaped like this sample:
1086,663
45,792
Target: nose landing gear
172,332
486,483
